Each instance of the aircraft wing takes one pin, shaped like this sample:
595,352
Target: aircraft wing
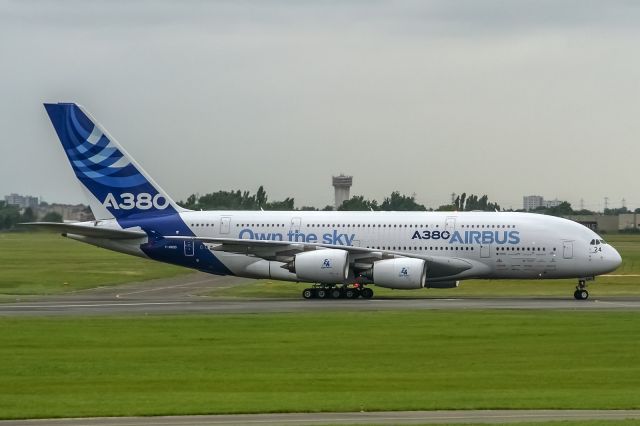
362,257
87,230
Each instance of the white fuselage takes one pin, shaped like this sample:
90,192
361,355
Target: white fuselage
496,244
401,250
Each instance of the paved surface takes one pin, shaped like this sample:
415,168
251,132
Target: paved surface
382,418
186,294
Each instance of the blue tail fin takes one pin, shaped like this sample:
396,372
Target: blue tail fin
116,185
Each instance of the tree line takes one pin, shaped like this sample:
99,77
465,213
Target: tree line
10,216
245,200
236,200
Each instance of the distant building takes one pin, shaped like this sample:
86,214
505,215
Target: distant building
532,202
551,203
77,212
22,201
69,212
342,185
608,223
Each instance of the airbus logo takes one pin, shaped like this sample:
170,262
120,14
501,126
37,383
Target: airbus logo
470,237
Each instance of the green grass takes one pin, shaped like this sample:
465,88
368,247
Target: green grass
602,287
157,365
554,423
621,283
41,263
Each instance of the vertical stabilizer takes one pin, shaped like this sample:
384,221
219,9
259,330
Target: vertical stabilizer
117,187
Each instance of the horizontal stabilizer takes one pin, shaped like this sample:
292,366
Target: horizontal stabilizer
88,230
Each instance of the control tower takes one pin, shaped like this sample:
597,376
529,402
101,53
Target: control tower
342,184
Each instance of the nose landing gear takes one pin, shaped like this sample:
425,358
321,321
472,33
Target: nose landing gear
581,292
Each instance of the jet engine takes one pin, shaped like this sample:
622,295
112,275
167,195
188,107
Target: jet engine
402,273
327,266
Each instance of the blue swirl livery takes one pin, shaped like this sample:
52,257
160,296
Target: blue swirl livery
117,186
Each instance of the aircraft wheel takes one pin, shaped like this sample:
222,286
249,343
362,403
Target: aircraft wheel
336,293
367,293
350,293
321,293
308,293
581,292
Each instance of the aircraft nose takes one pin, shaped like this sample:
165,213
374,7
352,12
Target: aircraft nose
614,259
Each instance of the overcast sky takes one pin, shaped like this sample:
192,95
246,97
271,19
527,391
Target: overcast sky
506,98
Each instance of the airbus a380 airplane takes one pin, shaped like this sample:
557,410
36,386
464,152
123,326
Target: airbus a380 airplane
339,252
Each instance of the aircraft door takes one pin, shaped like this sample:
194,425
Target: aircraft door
188,248
485,250
225,224
450,224
295,224
567,249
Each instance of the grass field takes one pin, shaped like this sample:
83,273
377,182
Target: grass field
95,366
556,423
628,422
43,263
623,282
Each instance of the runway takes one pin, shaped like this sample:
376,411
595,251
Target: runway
186,295
381,418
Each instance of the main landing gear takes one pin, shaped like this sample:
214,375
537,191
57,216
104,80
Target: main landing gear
333,292
581,292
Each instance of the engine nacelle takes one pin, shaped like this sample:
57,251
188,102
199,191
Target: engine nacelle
327,266
443,284
404,273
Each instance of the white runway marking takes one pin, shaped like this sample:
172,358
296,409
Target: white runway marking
621,275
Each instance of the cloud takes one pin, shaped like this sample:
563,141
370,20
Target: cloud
501,97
